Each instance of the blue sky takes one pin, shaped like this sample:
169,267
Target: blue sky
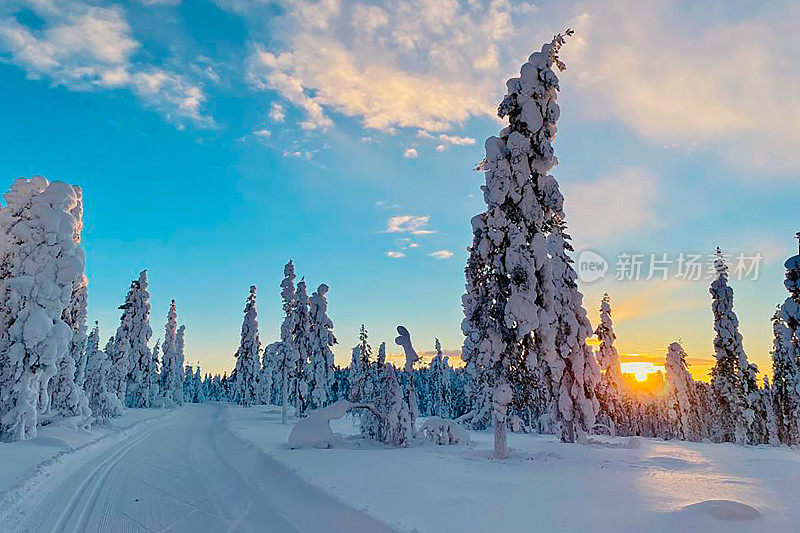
216,140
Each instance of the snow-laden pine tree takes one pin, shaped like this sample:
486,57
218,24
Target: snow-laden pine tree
134,332
439,384
511,316
733,377
68,400
680,399
200,391
479,398
266,379
301,392
40,263
290,352
786,357
769,410
322,339
171,361
247,356
394,426
156,362
363,377
104,404
188,384
574,372
610,389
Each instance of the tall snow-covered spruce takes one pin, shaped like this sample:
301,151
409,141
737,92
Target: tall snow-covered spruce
290,352
679,395
439,384
610,388
171,363
322,339
247,356
40,265
68,399
786,357
733,377
513,307
133,335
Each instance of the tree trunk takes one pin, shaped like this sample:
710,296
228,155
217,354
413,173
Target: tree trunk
502,397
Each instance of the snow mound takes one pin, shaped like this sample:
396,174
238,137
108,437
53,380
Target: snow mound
725,510
441,431
314,431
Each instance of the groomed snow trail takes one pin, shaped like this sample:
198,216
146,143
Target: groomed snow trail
191,474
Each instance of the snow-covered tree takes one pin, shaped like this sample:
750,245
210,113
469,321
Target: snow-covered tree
155,383
363,372
733,377
786,357
200,391
290,351
247,356
67,397
188,384
479,395
301,392
574,372
104,404
266,379
439,384
172,361
322,339
394,425
40,263
510,310
610,389
133,335
680,399
769,410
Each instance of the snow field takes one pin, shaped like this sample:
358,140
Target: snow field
612,485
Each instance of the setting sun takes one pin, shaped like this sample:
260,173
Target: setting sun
640,369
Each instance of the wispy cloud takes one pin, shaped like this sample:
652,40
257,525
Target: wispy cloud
389,63
392,254
709,81
414,225
262,134
86,47
441,254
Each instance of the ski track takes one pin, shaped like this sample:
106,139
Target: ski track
190,474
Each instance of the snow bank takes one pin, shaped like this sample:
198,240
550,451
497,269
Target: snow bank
619,487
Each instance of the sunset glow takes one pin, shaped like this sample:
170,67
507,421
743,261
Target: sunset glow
640,369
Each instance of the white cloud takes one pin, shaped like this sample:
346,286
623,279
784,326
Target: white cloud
395,255
694,79
445,138
84,47
276,112
411,153
440,148
441,254
415,225
611,205
429,64
262,133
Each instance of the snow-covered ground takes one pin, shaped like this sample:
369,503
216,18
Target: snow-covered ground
181,470
620,485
